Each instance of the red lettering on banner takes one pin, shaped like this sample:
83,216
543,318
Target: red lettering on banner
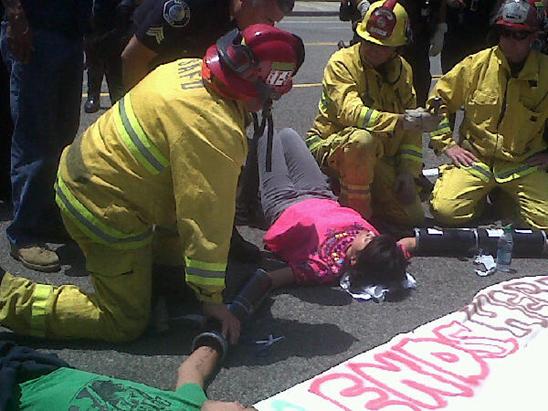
423,373
384,377
446,366
334,385
504,315
429,393
483,347
446,358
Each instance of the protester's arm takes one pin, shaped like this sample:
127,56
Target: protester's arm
409,244
198,366
196,369
18,33
136,62
342,101
282,277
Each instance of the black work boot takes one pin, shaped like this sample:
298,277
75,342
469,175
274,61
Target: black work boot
92,104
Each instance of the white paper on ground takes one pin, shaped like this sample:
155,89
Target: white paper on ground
376,293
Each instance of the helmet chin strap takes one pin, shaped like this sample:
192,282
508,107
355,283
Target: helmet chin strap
259,128
265,94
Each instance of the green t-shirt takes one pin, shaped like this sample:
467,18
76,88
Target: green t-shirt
75,390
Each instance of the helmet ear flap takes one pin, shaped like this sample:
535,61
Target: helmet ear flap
236,56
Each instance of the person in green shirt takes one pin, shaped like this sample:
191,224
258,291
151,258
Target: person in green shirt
74,390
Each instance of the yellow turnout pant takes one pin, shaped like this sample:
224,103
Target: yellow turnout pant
117,311
367,176
459,197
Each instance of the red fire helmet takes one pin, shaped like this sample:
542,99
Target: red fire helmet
257,63
518,15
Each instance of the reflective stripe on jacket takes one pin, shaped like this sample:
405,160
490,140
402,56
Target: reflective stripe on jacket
357,95
169,154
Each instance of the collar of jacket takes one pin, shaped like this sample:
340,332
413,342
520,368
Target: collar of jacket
531,69
390,72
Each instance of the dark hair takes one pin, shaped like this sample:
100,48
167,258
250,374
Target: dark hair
382,262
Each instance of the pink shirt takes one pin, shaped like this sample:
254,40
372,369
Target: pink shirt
313,236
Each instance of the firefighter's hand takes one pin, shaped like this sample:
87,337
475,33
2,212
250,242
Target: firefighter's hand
19,37
460,156
405,188
540,160
230,324
436,41
363,6
421,120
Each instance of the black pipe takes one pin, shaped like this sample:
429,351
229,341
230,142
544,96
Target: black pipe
244,304
468,241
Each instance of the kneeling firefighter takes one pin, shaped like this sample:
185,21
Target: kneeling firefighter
169,154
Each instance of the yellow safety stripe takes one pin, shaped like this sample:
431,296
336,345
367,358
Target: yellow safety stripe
136,140
205,266
324,100
480,170
368,117
93,227
40,297
313,142
510,174
443,128
411,152
209,282
206,279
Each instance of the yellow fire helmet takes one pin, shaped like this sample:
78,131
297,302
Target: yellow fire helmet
385,23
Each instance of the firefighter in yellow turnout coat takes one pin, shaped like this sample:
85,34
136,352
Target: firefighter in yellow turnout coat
360,135
504,92
168,153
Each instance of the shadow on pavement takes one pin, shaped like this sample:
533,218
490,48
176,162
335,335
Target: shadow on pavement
71,255
321,295
300,340
5,211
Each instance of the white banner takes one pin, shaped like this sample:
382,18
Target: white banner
492,356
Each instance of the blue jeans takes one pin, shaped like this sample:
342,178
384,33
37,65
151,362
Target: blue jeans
45,98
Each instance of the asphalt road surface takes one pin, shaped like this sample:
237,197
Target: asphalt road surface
321,326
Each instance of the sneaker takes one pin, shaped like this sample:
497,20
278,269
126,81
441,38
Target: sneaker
37,257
